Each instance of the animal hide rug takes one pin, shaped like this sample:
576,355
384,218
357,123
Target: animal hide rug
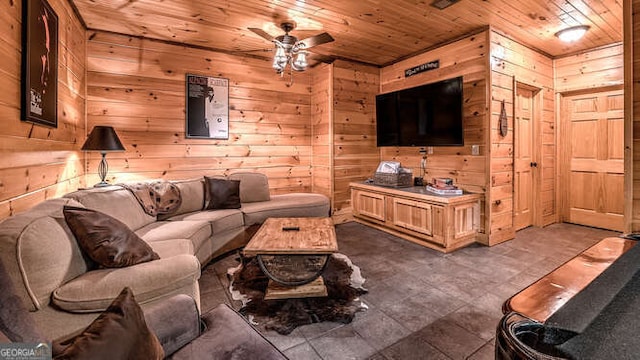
344,286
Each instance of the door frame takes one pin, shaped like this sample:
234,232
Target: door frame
564,155
536,143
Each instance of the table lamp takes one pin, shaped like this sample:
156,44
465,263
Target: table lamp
103,139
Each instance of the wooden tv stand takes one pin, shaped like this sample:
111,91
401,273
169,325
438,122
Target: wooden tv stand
443,223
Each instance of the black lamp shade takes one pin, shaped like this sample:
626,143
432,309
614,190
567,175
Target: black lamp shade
103,139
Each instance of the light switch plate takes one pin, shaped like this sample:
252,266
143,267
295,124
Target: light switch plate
475,149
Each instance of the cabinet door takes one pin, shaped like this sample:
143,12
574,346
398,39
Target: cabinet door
466,219
438,224
412,215
369,204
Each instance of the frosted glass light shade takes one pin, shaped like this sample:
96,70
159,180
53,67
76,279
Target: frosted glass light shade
301,62
573,33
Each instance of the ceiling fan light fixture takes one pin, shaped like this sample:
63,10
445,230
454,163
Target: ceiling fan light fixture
289,51
573,33
300,62
278,67
280,59
281,55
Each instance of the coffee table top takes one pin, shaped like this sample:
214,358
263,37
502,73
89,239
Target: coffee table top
316,236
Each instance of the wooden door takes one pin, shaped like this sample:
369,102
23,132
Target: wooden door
524,161
593,161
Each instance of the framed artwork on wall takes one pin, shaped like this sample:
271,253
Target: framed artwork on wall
207,107
39,83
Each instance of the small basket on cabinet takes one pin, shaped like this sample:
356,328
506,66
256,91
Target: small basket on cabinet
401,179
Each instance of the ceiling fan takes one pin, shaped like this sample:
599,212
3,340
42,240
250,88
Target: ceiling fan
291,51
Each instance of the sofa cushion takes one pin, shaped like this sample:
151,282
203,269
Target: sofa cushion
221,220
223,194
106,240
94,290
286,205
27,241
228,336
120,332
253,186
116,202
196,231
191,195
173,247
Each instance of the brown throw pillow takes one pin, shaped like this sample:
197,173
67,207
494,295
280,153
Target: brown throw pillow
4,339
118,333
223,194
106,240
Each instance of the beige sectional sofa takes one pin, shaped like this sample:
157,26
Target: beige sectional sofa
65,291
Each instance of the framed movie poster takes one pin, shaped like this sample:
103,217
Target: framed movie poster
39,99
207,107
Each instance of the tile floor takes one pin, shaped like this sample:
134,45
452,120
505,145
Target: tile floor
422,304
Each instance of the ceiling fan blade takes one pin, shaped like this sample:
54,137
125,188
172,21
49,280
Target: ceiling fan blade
319,59
322,58
262,33
252,51
316,40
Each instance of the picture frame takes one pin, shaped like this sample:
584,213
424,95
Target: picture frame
39,82
207,107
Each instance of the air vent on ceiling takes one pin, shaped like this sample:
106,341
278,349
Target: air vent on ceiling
443,4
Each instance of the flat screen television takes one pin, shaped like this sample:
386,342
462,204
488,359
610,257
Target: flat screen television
426,115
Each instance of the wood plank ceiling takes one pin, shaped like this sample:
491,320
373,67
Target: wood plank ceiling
377,32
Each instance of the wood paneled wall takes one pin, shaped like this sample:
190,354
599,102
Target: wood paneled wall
38,162
138,86
316,135
322,130
593,69
512,63
355,155
467,58
343,98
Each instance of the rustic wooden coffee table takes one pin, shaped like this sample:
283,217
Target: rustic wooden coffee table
293,252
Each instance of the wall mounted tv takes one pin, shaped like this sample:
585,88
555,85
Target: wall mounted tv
426,115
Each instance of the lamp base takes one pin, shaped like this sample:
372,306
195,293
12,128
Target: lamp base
102,184
103,167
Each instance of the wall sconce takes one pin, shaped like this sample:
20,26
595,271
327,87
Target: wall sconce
573,33
103,139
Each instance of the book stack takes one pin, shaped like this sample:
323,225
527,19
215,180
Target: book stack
443,186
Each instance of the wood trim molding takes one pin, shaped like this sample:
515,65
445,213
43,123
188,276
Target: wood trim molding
628,115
